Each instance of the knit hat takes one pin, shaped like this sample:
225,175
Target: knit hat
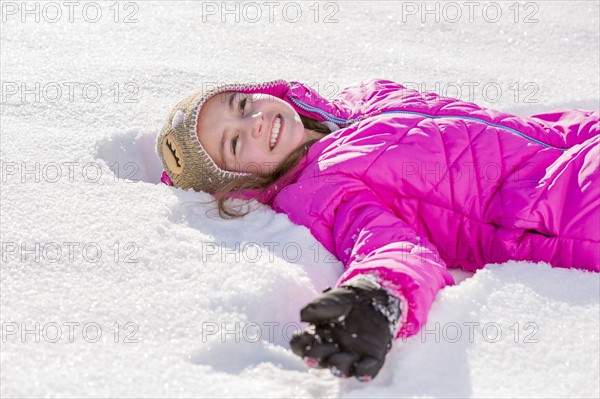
186,162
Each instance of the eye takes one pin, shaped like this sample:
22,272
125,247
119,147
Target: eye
243,105
234,144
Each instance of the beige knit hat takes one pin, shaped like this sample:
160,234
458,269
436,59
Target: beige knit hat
185,161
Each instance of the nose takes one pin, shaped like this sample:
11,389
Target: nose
256,124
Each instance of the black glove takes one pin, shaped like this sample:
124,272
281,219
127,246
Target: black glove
351,329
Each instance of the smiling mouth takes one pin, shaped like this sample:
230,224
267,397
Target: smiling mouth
275,131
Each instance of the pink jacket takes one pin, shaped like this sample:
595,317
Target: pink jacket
414,183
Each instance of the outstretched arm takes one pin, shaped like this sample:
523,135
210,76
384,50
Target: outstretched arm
371,241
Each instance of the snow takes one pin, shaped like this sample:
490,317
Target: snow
79,180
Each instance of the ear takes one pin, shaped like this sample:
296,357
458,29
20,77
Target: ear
177,119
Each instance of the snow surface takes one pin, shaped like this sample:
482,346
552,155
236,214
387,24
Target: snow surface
195,273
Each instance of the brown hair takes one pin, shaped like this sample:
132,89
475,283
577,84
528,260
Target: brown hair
261,183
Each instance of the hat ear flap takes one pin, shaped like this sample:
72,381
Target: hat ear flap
172,155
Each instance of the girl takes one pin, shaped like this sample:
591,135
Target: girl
399,186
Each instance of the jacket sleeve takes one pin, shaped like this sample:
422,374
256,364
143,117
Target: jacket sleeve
574,126
370,239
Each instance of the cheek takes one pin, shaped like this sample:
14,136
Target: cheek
253,156
299,130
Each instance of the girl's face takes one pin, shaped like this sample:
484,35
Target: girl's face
251,133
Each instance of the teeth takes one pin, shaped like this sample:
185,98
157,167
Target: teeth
275,132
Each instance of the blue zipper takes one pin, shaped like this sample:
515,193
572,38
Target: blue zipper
324,114
510,129
346,122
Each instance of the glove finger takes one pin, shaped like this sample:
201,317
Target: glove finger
342,364
323,351
331,307
367,368
311,348
312,363
301,341
324,331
